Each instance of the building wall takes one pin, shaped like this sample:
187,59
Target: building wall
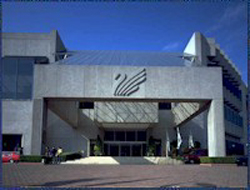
71,138
17,119
210,54
30,44
183,83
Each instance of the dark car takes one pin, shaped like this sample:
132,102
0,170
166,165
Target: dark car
242,161
194,156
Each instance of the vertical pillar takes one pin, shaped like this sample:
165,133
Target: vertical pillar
167,142
216,129
37,127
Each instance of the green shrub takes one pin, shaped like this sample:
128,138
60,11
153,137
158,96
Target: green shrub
151,150
37,158
221,160
179,158
97,150
30,158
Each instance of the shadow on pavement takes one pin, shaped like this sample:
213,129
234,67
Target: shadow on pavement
120,182
67,182
190,184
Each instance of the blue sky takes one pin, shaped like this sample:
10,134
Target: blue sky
157,26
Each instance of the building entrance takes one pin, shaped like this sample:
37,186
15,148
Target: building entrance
125,143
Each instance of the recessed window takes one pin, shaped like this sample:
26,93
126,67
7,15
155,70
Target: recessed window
164,106
86,105
11,142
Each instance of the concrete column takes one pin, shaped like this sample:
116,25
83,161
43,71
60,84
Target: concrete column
216,129
38,121
167,142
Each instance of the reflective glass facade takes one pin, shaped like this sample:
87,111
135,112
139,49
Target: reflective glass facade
233,117
232,88
17,77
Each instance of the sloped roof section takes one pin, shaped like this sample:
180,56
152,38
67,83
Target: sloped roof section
126,58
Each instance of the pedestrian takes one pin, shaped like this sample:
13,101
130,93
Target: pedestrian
58,155
47,151
53,154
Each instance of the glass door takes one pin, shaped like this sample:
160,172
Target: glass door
125,150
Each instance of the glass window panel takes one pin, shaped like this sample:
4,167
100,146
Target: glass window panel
9,78
130,135
141,136
109,136
25,78
106,150
114,150
120,136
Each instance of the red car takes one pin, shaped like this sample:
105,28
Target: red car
10,157
194,156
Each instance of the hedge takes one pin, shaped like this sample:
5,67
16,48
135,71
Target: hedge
30,158
219,160
38,158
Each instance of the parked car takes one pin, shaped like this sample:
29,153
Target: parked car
194,156
242,161
10,157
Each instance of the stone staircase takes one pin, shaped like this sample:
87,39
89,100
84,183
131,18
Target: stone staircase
108,160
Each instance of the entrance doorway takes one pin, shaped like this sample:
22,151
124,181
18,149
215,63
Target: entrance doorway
125,143
121,149
11,142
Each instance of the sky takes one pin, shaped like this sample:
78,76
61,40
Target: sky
151,26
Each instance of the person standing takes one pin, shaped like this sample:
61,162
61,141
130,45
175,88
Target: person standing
58,155
47,151
53,154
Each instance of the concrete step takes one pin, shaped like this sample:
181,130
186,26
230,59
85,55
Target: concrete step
147,160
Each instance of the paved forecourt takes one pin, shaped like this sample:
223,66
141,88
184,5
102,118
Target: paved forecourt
36,175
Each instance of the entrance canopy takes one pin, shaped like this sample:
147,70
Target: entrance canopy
117,83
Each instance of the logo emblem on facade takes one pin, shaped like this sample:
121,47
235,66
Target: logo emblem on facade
128,86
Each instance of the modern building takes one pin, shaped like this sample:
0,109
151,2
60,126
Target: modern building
127,103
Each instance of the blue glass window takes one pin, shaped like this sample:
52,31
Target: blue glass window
17,77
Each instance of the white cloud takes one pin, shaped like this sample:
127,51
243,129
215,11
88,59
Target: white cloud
230,16
171,46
